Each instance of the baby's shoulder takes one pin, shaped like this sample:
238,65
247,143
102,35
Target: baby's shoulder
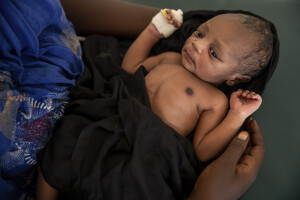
213,96
171,57
219,99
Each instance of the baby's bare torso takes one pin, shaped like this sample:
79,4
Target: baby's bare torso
178,97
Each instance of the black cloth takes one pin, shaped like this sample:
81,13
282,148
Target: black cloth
109,144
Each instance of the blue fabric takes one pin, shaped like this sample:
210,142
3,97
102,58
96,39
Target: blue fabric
40,59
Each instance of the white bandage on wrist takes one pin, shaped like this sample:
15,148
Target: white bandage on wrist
161,22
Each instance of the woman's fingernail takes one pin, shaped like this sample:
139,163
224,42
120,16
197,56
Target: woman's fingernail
243,135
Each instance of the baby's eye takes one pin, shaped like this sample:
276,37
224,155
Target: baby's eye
214,54
198,34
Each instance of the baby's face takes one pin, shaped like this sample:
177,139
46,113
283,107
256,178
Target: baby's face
212,51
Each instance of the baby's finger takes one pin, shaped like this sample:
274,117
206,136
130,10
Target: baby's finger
168,14
251,94
256,96
245,92
177,24
238,92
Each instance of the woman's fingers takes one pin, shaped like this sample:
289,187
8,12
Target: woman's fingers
252,162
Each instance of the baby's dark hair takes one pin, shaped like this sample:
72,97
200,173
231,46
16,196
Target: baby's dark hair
263,59
254,62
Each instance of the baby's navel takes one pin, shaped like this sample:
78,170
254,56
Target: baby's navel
189,91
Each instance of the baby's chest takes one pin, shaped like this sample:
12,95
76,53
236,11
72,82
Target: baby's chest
178,96
175,86
178,105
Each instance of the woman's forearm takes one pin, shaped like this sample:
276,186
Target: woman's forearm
109,17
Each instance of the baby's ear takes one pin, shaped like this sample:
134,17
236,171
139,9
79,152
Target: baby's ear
237,78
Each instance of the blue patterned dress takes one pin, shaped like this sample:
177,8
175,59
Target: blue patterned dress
40,59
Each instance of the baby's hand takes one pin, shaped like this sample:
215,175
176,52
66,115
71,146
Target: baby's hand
170,18
167,21
245,102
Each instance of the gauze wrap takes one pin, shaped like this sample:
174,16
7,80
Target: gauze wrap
162,24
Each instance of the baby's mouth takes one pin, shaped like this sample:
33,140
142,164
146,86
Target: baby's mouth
188,56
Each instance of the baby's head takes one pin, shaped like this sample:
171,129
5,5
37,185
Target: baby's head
229,48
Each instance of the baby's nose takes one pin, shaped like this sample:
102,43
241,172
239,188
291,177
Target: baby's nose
198,47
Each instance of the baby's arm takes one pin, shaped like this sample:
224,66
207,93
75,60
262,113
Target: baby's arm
212,134
138,52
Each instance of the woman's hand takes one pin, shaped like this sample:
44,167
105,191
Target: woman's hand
230,175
